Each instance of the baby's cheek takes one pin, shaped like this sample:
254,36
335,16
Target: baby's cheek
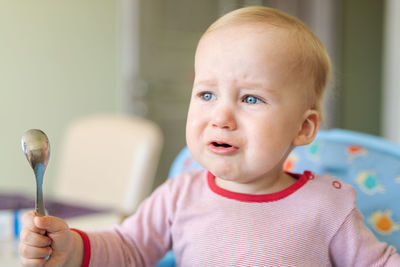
265,155
193,135
195,125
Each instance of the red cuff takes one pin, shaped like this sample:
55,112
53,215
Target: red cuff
86,247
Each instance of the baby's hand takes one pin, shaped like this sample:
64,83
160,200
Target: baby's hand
46,236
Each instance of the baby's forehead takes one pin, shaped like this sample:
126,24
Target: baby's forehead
257,38
282,37
277,48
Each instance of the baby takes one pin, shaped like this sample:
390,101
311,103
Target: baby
259,80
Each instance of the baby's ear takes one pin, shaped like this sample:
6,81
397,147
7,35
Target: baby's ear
308,129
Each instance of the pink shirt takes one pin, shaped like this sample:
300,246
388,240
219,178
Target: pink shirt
314,222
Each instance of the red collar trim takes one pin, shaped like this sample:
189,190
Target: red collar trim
301,180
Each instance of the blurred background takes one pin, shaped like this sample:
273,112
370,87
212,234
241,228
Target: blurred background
61,60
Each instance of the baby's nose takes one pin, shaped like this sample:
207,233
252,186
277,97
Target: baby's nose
224,117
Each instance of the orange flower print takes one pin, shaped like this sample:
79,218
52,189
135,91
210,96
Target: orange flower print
383,223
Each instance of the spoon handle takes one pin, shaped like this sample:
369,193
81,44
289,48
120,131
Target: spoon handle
39,205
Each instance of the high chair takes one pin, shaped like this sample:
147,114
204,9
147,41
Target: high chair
108,161
370,164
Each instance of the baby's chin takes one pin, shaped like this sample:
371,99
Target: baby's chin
226,173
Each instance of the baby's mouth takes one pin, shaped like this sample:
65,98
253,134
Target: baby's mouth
221,148
217,144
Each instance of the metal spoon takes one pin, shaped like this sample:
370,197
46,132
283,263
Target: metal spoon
36,147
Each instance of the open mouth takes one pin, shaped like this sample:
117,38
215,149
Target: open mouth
216,144
221,148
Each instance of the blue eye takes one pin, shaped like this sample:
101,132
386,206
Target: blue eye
207,96
251,99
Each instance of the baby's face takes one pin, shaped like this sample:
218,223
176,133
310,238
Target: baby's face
247,104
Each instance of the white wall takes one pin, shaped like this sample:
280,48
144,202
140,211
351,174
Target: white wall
58,61
391,72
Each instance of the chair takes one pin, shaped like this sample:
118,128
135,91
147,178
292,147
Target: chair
370,164
108,161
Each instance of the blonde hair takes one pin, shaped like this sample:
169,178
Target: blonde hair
313,62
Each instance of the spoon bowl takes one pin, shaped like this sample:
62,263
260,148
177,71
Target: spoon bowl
36,148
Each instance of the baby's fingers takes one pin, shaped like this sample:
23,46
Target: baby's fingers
32,262
27,221
31,252
34,239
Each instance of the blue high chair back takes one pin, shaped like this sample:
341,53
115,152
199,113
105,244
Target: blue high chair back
370,164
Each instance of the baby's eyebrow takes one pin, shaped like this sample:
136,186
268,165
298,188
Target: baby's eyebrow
258,86
205,83
248,86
